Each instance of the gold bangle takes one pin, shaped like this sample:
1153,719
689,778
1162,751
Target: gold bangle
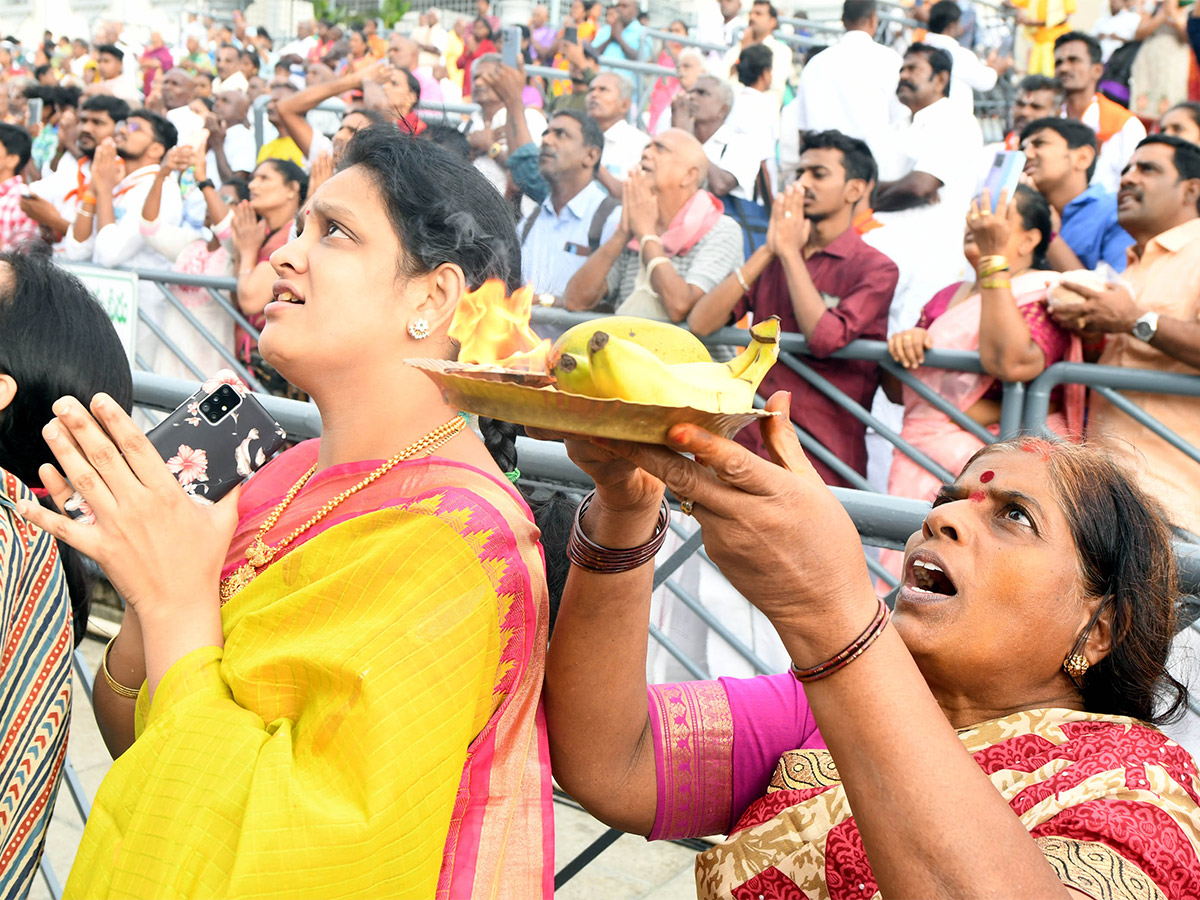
115,686
993,284
990,265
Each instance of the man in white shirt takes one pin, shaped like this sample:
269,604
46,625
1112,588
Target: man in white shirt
763,21
721,29
733,157
1116,26
231,148
79,58
609,97
110,67
970,73
178,91
1077,64
924,211
107,227
304,42
229,73
577,216
55,198
403,53
431,40
849,87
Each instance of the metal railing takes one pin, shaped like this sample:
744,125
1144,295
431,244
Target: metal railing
882,521
1106,381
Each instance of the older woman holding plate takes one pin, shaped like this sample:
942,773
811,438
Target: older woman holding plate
991,737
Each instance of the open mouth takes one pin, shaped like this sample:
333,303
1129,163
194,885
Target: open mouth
283,293
927,577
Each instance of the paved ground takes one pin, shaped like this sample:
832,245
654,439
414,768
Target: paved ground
630,869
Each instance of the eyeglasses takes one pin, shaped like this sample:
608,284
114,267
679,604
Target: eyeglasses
132,125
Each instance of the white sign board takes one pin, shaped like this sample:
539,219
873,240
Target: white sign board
117,293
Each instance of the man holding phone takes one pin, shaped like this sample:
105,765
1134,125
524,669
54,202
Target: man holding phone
16,227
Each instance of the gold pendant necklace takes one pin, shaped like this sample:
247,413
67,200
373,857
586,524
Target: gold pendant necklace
259,554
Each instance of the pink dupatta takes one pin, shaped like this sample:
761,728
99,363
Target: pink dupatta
932,431
694,220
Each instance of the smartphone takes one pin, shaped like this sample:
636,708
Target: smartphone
33,112
510,53
1004,175
571,34
217,438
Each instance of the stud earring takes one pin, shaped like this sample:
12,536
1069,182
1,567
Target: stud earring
1076,665
419,329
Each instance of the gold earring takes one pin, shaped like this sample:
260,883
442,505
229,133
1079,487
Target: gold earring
1076,665
419,329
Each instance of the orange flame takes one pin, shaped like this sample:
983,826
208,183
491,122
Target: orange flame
492,328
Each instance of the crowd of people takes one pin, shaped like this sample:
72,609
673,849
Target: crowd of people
365,712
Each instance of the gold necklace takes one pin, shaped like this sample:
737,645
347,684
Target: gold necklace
259,554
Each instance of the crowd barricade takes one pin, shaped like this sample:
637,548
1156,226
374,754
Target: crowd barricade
1107,382
882,521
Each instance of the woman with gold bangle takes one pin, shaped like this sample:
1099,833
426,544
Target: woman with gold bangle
1002,316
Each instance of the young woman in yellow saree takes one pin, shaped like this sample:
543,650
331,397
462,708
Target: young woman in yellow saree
329,687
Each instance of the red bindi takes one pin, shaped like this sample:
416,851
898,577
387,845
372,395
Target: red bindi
979,496
987,476
1037,445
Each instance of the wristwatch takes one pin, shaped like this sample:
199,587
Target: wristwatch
206,183
1146,327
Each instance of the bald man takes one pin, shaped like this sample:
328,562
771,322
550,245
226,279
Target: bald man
403,53
231,148
685,245
178,90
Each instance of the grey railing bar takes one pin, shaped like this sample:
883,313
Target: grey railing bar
1012,407
937,401
809,25
682,658
157,331
855,409
234,313
718,628
1139,415
1037,393
823,453
548,72
224,352
86,680
438,106
633,65
682,554
686,41
75,788
52,884
880,571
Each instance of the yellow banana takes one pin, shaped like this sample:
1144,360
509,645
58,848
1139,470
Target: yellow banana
764,335
627,371
573,374
666,340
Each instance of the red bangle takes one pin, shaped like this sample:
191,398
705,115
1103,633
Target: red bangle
851,653
587,554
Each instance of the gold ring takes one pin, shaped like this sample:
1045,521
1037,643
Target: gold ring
685,506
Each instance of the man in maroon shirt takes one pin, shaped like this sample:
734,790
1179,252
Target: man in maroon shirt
824,282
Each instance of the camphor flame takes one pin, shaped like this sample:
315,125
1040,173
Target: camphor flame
492,328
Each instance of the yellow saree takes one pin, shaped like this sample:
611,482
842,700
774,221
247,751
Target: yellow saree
372,727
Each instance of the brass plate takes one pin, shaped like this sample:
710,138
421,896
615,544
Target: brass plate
555,410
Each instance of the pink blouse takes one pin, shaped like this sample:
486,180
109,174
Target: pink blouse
716,744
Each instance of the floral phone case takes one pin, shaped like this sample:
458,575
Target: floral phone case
216,439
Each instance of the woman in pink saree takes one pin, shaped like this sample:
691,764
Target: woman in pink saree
1003,317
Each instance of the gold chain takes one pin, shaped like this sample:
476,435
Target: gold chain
259,554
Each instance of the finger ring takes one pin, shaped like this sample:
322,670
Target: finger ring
787,215
1083,323
685,506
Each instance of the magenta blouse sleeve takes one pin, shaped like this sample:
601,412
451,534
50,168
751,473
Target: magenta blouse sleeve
716,744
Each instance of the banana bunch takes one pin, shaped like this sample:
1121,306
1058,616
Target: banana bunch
667,341
618,368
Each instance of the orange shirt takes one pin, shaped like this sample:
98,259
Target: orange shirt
1164,281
